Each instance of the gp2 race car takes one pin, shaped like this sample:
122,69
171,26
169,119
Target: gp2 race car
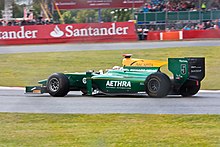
136,76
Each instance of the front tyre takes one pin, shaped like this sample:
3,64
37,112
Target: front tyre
58,85
157,85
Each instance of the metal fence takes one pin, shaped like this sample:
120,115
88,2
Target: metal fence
166,17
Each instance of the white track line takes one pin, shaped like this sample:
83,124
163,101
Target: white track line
210,91
12,88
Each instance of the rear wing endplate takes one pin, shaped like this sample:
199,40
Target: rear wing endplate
187,68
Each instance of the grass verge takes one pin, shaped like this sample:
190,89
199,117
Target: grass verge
109,130
28,68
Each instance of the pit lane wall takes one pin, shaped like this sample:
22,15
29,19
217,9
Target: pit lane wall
184,34
61,33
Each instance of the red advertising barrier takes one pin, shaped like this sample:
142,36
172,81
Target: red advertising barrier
179,35
94,32
153,36
193,34
94,4
173,35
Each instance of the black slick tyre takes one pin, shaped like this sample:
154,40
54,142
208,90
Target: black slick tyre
157,85
58,85
190,88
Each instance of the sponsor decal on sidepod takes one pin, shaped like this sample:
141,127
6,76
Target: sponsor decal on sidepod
118,84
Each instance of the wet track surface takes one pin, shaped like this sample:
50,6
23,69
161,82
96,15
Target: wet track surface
104,46
14,100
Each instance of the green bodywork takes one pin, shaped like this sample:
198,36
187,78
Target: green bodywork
179,68
128,79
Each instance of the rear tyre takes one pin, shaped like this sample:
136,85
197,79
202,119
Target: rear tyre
58,85
190,88
157,85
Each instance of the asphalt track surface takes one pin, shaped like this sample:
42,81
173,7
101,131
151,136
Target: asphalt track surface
104,46
14,99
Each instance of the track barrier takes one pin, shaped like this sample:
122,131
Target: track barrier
92,32
185,34
61,33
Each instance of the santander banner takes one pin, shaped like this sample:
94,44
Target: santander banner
94,32
94,4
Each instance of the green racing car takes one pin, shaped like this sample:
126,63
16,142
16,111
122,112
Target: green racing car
135,76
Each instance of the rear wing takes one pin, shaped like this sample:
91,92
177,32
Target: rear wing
187,68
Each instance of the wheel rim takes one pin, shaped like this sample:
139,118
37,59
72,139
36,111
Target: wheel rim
153,85
54,84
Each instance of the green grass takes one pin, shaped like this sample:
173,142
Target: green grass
28,68
121,130
118,130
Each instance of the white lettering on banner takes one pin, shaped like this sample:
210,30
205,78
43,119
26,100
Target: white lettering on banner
113,30
133,1
21,34
118,84
99,1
